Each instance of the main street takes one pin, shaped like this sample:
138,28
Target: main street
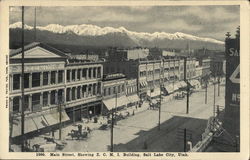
140,132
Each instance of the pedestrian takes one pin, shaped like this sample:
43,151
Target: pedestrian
80,129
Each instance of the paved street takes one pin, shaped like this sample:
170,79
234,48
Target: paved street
140,132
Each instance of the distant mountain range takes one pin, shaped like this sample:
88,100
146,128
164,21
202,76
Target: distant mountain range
95,36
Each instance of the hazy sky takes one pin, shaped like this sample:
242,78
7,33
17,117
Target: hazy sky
204,21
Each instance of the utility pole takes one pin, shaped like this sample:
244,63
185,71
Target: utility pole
185,139
35,26
185,79
205,91
214,104
22,84
60,120
112,126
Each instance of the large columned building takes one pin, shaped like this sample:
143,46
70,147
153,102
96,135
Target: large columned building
52,81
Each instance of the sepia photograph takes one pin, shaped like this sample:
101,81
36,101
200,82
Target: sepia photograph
134,79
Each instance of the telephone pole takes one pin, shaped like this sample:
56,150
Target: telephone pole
22,85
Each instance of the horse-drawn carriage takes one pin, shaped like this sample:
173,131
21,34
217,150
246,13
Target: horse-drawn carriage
79,134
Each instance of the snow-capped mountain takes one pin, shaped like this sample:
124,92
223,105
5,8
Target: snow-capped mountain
93,30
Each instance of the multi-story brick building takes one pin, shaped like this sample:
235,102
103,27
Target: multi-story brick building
52,80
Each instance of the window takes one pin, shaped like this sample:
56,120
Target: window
26,80
68,75
60,96
78,74
73,75
114,90
16,81
94,72
60,76
123,88
45,98
94,89
73,93
53,77
45,78
35,101
119,89
68,94
16,104
104,91
90,76
84,91
84,73
78,92
99,72
109,93
26,102
89,90
35,79
53,97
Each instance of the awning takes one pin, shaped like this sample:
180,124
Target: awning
143,83
155,93
111,103
169,88
40,121
133,98
53,118
183,84
29,126
176,86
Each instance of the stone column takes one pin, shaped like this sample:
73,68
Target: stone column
70,75
75,92
30,102
80,74
56,77
11,82
41,79
11,103
87,73
80,91
87,90
30,80
56,97
70,94
96,87
49,77
41,99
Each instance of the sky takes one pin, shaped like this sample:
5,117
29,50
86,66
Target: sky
202,21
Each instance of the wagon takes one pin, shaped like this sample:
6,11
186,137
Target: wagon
77,134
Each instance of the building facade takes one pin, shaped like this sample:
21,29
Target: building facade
52,82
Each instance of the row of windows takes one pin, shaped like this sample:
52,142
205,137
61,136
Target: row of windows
113,90
83,91
35,79
85,73
36,103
